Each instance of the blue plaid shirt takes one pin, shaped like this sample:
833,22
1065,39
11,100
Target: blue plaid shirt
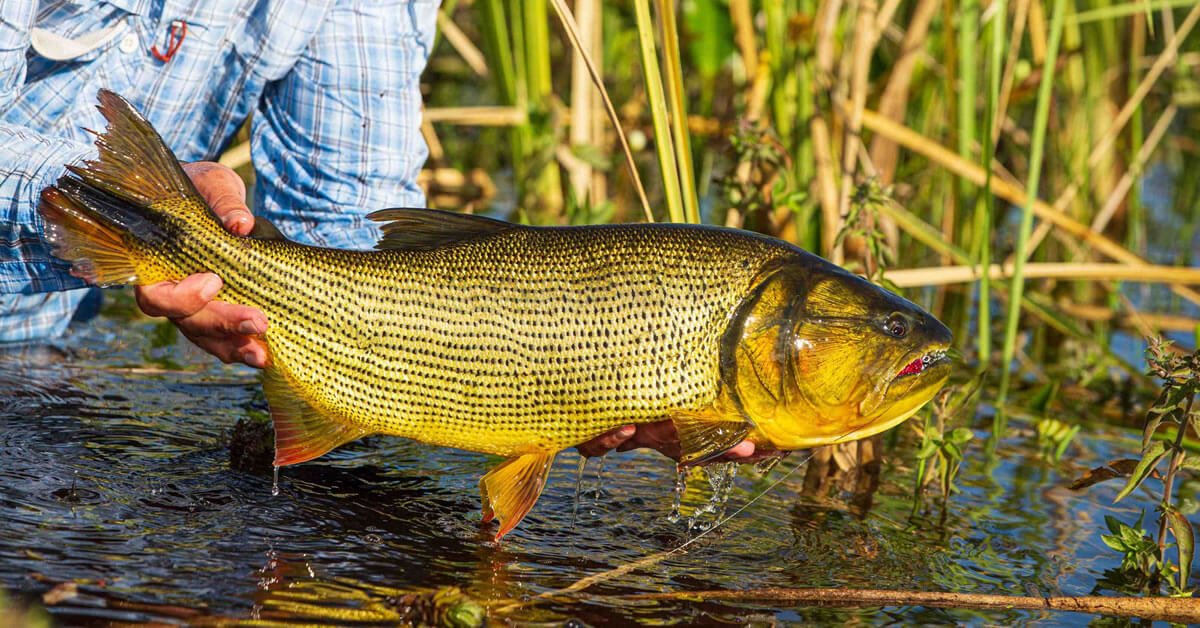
333,86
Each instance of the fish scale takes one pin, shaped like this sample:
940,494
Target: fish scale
519,341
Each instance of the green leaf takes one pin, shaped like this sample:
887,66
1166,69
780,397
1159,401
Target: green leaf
1114,524
1181,528
928,448
1043,397
1145,466
1113,541
961,436
1066,440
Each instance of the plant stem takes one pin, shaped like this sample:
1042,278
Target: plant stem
675,92
1177,455
984,220
1041,118
568,22
658,111
1163,609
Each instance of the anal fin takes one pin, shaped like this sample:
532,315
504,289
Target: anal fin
510,490
704,435
301,432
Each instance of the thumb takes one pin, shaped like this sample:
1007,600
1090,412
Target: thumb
178,299
225,193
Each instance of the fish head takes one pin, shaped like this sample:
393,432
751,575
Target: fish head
816,355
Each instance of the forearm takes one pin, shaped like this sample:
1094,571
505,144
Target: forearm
28,163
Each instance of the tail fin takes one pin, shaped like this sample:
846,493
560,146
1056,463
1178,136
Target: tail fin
135,164
98,253
129,195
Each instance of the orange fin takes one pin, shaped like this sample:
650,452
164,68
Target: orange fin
98,254
510,490
135,164
705,434
301,432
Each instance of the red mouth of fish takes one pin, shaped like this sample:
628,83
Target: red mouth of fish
919,365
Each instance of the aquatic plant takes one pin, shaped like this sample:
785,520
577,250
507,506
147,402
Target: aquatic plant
1172,415
941,451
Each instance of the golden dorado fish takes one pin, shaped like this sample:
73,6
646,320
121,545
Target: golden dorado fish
467,332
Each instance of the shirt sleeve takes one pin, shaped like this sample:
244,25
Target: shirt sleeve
339,135
29,161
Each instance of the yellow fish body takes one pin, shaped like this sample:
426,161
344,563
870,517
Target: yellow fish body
518,341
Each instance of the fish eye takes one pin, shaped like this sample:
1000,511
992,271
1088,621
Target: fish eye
896,325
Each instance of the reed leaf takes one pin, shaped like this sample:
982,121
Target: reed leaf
1041,119
653,76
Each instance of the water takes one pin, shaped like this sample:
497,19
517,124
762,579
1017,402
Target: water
115,476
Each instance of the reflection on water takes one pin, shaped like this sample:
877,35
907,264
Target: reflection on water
115,475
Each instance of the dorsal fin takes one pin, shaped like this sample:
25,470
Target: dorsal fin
428,229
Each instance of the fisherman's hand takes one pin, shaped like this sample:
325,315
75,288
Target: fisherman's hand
225,330
660,436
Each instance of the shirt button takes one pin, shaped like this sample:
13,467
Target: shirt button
129,43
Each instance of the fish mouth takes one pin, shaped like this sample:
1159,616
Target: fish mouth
924,362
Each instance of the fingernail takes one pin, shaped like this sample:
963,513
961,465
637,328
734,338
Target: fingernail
212,285
627,431
235,221
252,358
249,326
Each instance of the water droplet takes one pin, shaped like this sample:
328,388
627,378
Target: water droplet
578,488
275,482
598,492
600,478
681,474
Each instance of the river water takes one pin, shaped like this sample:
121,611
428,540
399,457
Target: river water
115,476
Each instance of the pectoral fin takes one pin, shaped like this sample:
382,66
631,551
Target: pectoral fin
510,490
704,435
301,432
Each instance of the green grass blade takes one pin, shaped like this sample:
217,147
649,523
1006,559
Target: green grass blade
675,92
985,220
1037,149
658,111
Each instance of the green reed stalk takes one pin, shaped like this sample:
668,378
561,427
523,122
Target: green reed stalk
984,218
658,111
968,33
675,92
1135,236
1037,148
505,70
543,198
522,135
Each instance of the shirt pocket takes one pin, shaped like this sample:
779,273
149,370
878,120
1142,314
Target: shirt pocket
69,33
